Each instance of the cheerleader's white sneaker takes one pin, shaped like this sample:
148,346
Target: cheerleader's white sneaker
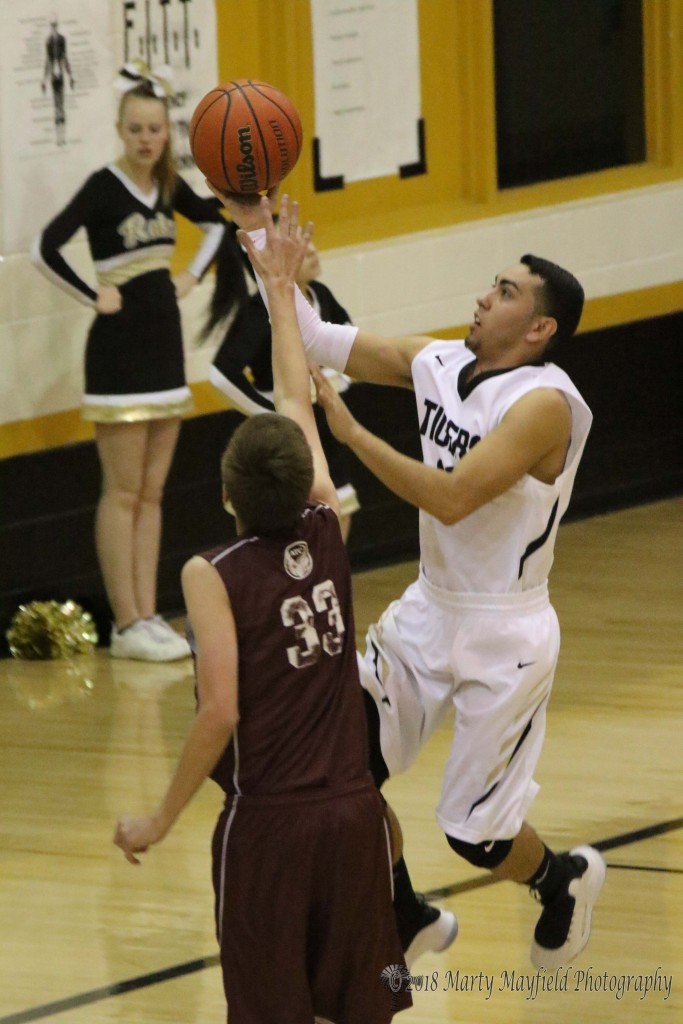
139,643
164,632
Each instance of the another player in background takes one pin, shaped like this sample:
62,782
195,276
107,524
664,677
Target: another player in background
502,433
242,366
135,387
301,865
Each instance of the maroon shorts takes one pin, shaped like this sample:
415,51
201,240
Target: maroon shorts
303,909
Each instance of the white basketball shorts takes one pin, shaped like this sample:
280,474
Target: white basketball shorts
490,658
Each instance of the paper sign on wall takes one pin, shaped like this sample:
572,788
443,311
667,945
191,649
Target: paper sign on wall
367,91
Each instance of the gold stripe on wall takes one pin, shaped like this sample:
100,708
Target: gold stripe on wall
629,307
612,310
59,428
24,436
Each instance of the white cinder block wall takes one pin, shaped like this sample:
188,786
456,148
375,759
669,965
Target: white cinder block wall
405,285
423,282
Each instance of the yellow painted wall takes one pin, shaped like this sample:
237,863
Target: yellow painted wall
271,39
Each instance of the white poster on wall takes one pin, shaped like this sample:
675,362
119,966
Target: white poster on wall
367,91
180,34
58,105
56,120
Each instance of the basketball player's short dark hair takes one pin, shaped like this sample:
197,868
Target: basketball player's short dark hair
267,471
560,296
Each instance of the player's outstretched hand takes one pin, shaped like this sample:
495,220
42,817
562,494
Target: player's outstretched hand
340,420
279,261
136,835
245,210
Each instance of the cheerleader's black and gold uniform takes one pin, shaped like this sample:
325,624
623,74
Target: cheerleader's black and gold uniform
134,363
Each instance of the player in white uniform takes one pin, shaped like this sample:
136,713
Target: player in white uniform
502,434
492,563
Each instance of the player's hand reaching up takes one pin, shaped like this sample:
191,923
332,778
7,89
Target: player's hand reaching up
279,262
340,420
245,210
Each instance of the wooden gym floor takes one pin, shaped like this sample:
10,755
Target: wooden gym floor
88,939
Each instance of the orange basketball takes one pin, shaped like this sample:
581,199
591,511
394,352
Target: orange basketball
245,136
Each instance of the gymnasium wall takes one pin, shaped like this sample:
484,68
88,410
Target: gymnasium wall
404,256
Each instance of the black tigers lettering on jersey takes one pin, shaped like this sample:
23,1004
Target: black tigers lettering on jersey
444,432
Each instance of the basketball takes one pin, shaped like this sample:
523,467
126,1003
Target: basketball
245,136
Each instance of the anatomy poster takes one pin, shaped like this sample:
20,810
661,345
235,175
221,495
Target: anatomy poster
58,105
56,70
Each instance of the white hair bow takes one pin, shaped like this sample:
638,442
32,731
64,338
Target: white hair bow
137,73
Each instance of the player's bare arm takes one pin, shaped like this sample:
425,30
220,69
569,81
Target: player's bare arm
532,438
217,714
379,360
278,264
372,357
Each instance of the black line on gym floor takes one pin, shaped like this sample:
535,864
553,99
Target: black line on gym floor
169,973
644,867
639,834
97,994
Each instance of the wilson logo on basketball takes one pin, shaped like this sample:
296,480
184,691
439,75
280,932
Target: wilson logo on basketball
246,168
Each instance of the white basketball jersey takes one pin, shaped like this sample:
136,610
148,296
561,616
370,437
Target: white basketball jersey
507,545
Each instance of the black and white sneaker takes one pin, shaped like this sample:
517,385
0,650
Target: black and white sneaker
437,930
564,927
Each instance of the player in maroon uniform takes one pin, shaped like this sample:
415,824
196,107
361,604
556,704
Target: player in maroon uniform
301,863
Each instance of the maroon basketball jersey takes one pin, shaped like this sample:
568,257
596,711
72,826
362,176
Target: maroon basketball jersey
302,720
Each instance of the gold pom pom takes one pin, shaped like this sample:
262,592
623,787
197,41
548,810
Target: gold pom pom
50,629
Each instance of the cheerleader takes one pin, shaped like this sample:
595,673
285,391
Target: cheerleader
135,387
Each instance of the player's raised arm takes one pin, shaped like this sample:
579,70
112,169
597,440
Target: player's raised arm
277,264
364,355
532,437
